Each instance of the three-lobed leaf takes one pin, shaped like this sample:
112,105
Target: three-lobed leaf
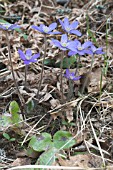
41,142
63,140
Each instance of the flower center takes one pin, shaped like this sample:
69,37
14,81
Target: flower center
46,29
68,28
64,44
7,25
28,57
80,48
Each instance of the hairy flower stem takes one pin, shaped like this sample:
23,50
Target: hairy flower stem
26,68
71,90
61,76
42,71
78,62
12,70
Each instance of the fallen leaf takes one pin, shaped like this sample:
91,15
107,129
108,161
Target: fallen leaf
69,114
21,161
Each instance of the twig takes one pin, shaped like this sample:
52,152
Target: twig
101,152
67,3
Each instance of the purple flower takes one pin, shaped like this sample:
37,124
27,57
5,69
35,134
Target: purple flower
96,50
71,76
7,27
63,44
46,30
70,28
77,48
28,57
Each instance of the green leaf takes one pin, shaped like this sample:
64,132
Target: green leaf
24,36
15,118
3,21
14,107
49,62
47,158
41,143
12,139
32,153
30,106
5,120
67,62
63,139
6,136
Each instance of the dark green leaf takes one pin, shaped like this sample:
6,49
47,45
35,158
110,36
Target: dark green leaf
41,143
47,158
67,62
30,106
63,139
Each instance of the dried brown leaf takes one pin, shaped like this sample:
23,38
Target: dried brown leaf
69,114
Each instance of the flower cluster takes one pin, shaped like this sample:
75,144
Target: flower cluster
73,46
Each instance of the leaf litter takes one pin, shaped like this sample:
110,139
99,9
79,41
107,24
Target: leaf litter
90,113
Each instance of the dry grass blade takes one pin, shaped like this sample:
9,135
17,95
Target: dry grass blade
32,130
96,138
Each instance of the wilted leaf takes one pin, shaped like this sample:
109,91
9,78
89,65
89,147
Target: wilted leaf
46,97
69,114
83,161
21,161
54,103
95,81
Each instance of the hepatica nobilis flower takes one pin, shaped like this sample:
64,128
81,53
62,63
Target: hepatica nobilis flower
63,44
77,48
7,27
46,30
28,57
96,50
71,76
70,28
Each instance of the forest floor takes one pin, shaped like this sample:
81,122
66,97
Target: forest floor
76,132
